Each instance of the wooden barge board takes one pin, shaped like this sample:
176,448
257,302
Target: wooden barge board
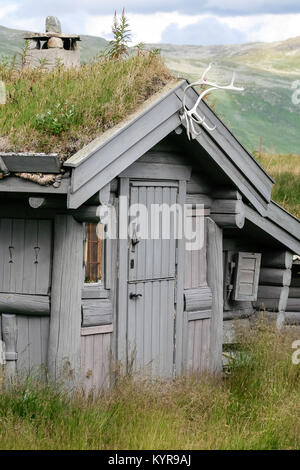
110,154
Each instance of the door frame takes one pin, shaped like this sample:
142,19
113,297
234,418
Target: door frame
122,296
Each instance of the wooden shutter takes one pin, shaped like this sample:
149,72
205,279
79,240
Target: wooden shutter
246,276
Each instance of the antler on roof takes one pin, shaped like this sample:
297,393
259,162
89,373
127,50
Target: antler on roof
191,116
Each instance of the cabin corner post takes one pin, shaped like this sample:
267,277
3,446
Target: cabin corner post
181,339
65,319
215,282
121,324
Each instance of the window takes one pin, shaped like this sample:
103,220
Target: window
93,253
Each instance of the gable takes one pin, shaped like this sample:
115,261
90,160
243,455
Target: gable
116,150
106,157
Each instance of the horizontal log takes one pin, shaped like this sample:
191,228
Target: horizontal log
293,305
197,299
83,214
275,277
292,318
295,292
96,312
277,259
273,298
227,206
229,220
295,282
86,214
227,194
94,292
272,292
24,304
228,212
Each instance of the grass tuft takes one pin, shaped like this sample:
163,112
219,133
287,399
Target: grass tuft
285,170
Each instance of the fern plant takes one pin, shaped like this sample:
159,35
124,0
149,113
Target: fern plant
118,46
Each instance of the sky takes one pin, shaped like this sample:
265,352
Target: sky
199,22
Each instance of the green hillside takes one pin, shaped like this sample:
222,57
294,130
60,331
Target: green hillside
267,71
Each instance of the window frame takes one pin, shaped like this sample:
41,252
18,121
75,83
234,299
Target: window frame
101,288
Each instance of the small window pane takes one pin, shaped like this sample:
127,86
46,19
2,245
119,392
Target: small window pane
93,252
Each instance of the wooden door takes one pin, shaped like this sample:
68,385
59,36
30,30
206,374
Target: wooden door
151,282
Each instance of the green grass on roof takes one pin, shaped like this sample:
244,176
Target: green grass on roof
62,110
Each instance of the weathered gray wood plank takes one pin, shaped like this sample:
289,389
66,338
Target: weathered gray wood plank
215,282
95,362
181,321
157,171
9,336
17,185
67,283
122,281
31,163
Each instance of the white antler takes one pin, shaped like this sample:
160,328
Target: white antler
191,116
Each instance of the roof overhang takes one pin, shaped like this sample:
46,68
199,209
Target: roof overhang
279,224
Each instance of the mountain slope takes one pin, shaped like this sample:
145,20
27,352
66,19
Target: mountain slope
267,71
264,111
12,42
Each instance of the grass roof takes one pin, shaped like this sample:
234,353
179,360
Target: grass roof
64,109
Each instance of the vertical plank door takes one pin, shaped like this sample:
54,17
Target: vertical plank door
151,280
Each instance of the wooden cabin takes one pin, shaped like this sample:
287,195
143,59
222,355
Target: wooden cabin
74,303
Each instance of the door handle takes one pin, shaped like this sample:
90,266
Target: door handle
134,296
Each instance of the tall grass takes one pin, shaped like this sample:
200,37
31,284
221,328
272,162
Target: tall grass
285,169
257,406
88,100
